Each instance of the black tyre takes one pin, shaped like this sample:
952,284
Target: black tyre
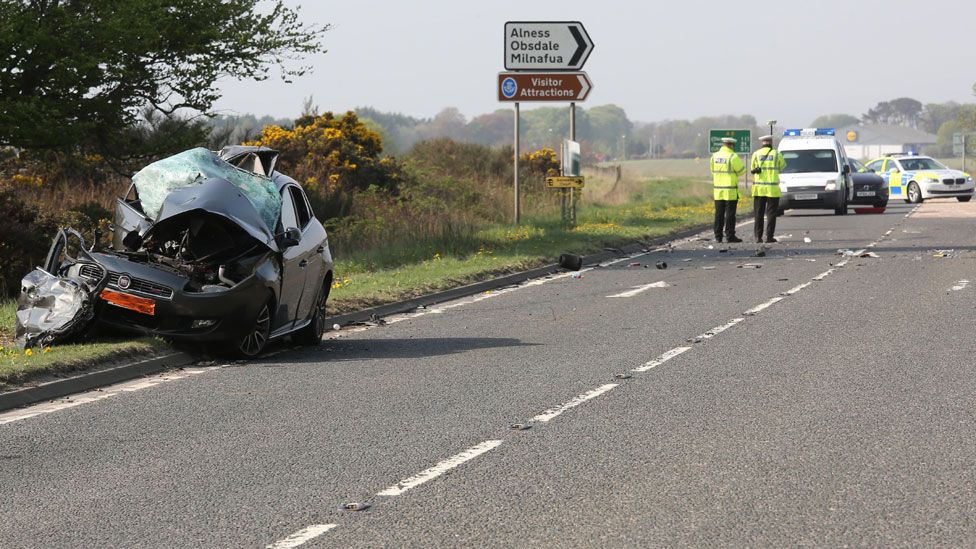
914,193
311,334
842,209
964,198
254,341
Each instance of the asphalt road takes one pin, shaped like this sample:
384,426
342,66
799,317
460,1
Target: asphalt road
817,399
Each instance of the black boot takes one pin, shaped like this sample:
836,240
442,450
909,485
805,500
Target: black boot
733,238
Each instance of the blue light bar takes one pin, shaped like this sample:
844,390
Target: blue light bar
809,132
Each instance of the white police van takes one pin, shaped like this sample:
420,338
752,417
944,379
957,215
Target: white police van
817,175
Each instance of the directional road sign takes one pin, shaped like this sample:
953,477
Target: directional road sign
564,182
743,140
546,46
543,86
959,142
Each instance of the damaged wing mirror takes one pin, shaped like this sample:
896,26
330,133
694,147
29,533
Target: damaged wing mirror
291,237
847,169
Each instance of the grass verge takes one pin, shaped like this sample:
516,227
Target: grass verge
19,366
657,208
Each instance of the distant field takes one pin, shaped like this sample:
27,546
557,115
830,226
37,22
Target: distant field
668,167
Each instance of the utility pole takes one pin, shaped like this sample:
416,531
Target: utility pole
518,205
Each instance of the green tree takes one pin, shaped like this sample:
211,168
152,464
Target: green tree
834,121
78,74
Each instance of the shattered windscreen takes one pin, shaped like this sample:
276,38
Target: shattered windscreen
157,180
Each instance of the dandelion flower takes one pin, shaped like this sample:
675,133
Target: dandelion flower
29,352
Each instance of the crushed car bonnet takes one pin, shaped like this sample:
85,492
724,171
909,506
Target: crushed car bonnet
199,179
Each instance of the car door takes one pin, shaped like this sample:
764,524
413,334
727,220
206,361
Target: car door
892,173
293,261
311,245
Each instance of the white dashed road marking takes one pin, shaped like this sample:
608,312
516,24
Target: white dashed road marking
719,329
302,536
551,414
661,359
763,306
641,289
440,468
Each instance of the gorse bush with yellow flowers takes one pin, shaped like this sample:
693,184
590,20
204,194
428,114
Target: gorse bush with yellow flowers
333,157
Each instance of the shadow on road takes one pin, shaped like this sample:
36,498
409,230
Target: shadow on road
421,347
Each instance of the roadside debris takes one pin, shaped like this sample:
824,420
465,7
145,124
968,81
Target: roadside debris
356,506
521,426
807,239
571,262
635,264
336,327
623,376
52,309
708,268
577,275
750,266
760,253
863,252
943,253
661,265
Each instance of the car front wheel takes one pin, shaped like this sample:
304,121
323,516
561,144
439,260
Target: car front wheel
914,193
964,198
257,336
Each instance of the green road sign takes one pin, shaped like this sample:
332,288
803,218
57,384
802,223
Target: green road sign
959,142
743,140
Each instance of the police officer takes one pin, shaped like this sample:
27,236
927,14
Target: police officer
766,165
726,168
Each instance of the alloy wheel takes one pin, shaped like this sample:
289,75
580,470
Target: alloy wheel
253,342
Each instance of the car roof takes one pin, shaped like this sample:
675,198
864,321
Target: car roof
802,144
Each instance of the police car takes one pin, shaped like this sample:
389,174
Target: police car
817,175
916,178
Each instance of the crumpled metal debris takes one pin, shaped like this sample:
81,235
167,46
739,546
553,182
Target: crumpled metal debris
943,253
51,309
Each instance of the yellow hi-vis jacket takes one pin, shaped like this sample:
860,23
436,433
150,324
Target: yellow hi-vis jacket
766,183
726,169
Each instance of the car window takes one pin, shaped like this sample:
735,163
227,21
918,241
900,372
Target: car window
875,165
288,217
892,166
856,165
914,164
811,160
301,207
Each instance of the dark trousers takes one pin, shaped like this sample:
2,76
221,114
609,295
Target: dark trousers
725,218
764,207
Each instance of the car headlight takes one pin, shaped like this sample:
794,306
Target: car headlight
969,179
831,185
930,180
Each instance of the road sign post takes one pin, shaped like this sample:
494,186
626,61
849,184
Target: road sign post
544,59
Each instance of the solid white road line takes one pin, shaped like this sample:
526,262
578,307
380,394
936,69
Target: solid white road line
440,468
96,395
661,359
551,414
759,308
719,329
302,536
640,289
961,285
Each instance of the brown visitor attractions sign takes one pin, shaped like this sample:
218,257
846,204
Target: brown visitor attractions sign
543,86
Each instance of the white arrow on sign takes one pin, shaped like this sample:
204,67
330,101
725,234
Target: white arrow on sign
546,46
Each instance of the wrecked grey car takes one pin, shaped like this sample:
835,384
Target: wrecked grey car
214,248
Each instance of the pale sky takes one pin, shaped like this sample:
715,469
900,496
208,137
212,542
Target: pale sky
788,60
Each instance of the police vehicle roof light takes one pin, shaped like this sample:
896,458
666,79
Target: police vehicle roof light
809,132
